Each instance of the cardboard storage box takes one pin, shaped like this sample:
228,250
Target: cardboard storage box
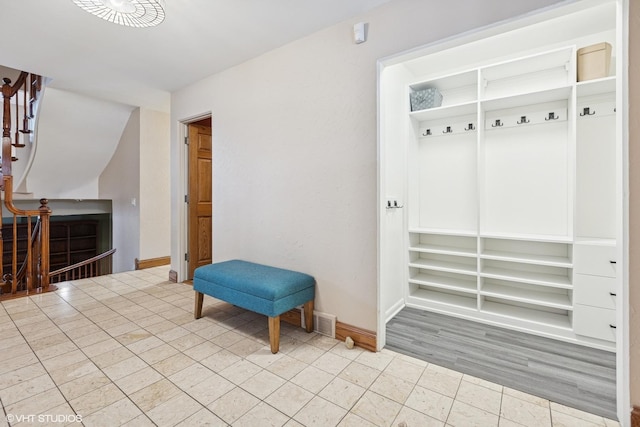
425,98
594,61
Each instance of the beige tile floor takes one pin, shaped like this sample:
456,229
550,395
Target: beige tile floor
125,350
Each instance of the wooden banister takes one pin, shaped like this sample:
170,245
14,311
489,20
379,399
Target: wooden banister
33,242
37,280
87,268
31,273
8,91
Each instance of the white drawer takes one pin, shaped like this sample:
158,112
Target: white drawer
595,291
594,322
598,260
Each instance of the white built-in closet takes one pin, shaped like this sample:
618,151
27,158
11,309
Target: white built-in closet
506,204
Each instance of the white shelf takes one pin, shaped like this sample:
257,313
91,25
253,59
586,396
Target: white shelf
529,296
596,87
527,314
447,82
526,98
552,261
462,109
536,73
446,282
446,250
443,232
595,241
446,266
527,237
457,90
532,278
446,299
528,65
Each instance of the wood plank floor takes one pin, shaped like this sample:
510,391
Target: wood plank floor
569,374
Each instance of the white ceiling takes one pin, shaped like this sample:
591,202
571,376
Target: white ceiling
140,66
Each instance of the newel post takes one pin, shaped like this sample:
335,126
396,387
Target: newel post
45,214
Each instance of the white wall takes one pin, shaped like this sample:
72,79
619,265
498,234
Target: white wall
155,197
77,136
120,181
295,161
137,180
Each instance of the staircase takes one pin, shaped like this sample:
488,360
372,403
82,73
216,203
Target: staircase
25,241
29,273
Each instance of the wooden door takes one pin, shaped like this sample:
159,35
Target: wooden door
199,198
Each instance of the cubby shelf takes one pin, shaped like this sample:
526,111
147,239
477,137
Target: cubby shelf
446,299
462,109
442,232
525,98
531,64
464,79
519,313
446,266
444,282
530,296
548,260
446,250
596,87
532,278
549,238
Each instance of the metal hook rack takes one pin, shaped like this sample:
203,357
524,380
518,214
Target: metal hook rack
586,111
393,205
523,119
552,116
498,123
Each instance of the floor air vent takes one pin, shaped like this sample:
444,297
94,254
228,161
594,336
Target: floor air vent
323,323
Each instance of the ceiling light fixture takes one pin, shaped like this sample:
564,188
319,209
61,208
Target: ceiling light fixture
130,13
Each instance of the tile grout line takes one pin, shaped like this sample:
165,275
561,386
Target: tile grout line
117,289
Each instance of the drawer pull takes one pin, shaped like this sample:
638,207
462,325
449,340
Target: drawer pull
613,294
612,326
612,262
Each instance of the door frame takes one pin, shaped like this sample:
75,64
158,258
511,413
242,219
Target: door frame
183,211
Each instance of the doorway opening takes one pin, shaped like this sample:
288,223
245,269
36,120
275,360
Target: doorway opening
199,195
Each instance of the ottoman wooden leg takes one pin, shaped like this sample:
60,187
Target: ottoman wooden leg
274,333
308,315
197,310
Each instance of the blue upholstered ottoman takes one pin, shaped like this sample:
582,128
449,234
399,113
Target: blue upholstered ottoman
266,290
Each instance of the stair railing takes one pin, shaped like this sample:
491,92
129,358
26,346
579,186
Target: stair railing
37,258
36,264
24,267
96,266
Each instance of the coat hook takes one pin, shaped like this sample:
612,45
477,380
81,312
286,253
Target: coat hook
427,133
471,127
552,116
523,119
448,130
497,123
586,112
